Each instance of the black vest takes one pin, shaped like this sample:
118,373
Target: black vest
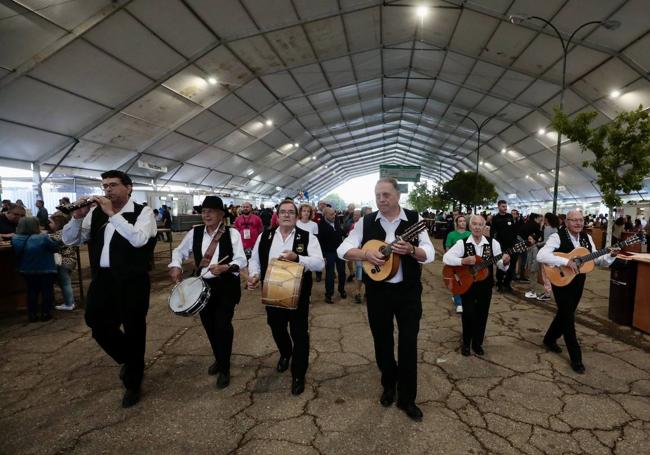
566,245
372,230
227,283
300,244
470,250
124,257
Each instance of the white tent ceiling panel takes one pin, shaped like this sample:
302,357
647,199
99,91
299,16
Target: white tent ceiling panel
87,155
573,14
122,36
26,143
176,146
31,102
205,127
333,116
634,95
427,61
308,9
539,92
633,15
362,29
82,68
472,31
611,75
293,45
234,110
399,24
572,103
192,84
229,20
542,52
271,13
511,84
162,107
293,129
256,151
257,53
491,104
281,84
466,97
221,64
278,140
346,94
256,95
339,71
367,65
216,179
323,100
235,141
456,68
188,173
438,26
72,13
124,131
638,52
311,121
327,36
32,32
512,135
210,157
484,76
443,91
236,166
508,42
580,61
310,78
395,61
174,23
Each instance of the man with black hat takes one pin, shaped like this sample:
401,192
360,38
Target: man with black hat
293,244
121,236
218,256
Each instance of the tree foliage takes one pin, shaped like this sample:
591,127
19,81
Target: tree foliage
422,198
463,189
621,148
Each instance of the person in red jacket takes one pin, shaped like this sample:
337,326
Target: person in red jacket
249,226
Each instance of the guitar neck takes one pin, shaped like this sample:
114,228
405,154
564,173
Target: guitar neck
596,254
494,259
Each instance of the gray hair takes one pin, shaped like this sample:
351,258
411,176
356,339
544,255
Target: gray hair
28,225
478,217
390,180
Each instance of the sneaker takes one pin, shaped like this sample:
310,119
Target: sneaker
459,308
65,307
530,295
544,297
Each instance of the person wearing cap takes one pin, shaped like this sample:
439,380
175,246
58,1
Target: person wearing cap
293,244
218,256
121,237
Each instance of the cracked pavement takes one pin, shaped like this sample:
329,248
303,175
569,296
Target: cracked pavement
59,393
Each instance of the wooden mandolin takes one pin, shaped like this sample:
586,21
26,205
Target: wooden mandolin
391,266
563,275
458,279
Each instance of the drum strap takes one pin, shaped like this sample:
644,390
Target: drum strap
207,257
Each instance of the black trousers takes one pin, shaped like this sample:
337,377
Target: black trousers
216,318
476,307
294,342
332,261
504,278
120,301
567,299
402,302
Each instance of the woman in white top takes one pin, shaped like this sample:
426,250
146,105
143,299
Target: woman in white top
306,212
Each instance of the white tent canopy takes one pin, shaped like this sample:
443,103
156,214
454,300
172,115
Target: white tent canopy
252,95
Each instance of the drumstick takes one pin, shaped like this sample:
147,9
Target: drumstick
208,268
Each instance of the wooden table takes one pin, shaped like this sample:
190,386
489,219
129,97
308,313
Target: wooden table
641,318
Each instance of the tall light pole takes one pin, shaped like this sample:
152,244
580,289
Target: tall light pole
479,127
609,25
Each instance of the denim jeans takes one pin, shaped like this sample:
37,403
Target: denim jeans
65,283
39,284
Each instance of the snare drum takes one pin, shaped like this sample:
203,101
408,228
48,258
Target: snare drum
189,296
282,284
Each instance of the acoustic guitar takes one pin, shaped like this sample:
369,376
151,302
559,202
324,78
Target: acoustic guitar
391,266
563,275
458,279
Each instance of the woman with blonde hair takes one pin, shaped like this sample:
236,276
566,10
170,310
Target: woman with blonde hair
305,214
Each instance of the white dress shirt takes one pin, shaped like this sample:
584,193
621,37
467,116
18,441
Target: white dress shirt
309,226
313,262
390,226
77,231
546,256
184,251
454,255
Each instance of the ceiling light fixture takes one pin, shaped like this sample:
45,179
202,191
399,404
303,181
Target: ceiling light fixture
422,11
212,80
541,131
503,151
296,145
269,122
614,94
250,172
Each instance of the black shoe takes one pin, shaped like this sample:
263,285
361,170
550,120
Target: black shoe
344,295
123,372
46,317
578,367
499,288
283,364
328,299
411,410
507,289
297,386
351,278
552,346
318,279
131,397
478,350
464,349
387,396
213,369
357,298
223,380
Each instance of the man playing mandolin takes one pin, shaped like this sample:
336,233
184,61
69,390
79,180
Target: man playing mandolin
476,301
398,297
567,297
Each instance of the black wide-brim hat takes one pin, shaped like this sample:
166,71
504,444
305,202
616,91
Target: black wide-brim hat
213,202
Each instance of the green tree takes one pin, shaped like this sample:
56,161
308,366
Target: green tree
463,189
621,149
420,197
336,201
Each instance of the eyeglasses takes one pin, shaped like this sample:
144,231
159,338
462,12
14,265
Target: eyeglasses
110,185
287,212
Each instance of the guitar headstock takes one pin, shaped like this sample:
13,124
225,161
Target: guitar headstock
414,230
519,247
637,238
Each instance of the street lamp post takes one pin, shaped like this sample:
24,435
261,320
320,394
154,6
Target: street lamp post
609,25
479,127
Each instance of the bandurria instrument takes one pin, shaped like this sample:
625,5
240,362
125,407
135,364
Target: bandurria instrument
391,266
282,284
458,279
563,275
